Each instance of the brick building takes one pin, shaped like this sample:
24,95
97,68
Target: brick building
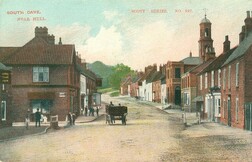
134,86
5,96
125,86
236,85
89,82
174,71
44,76
212,93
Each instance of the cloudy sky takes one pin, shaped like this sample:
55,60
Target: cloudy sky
136,33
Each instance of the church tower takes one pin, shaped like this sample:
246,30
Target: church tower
206,50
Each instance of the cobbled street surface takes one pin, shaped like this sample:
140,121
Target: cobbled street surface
151,135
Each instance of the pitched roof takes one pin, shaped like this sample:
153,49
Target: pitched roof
6,51
191,61
146,75
241,49
86,72
39,52
218,62
154,77
126,81
200,67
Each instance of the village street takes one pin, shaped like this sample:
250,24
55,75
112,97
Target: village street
150,135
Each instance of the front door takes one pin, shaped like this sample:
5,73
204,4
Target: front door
177,95
229,111
248,117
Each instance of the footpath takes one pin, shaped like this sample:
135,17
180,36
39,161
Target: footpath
18,129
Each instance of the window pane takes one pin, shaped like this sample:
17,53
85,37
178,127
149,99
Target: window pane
177,72
46,69
35,76
35,69
46,76
40,74
40,69
41,78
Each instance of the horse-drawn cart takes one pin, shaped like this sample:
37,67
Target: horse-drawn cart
116,113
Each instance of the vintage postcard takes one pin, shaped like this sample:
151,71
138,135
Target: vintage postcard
125,80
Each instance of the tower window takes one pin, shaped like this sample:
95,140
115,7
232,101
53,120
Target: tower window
206,32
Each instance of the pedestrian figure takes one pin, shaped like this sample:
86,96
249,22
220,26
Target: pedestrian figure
74,117
86,111
37,118
69,118
27,121
111,104
112,116
97,111
92,109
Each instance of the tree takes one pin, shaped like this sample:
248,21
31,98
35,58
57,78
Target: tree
120,71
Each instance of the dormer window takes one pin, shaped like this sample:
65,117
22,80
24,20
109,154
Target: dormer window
40,74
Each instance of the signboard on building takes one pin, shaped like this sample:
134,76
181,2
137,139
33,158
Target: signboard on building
62,94
5,77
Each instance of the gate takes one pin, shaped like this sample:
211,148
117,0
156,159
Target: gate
248,116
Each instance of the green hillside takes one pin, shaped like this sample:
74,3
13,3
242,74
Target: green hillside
102,70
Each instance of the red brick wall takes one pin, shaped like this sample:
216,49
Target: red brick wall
234,92
21,102
157,90
22,75
58,82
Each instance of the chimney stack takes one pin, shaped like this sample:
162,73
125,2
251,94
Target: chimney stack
248,24
190,54
226,44
41,32
242,34
51,39
60,43
248,14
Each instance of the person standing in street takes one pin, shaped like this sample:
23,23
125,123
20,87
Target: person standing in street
27,121
37,118
69,116
73,117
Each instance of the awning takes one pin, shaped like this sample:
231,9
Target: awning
198,99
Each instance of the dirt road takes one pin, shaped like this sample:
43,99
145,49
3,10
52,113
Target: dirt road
150,135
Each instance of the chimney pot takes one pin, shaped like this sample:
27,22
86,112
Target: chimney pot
226,38
60,42
248,14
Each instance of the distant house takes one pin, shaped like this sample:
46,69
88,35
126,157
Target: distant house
125,86
174,69
188,82
236,85
145,90
134,86
174,72
5,96
44,77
